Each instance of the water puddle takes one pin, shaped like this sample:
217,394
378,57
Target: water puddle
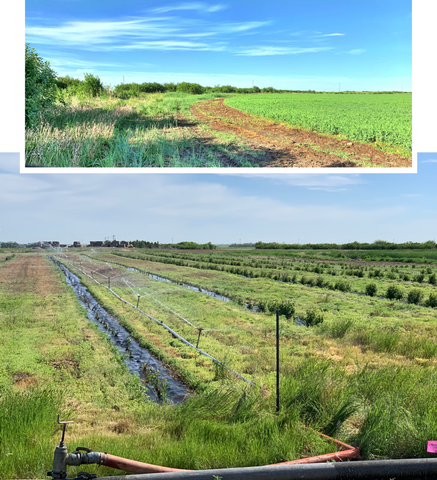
159,380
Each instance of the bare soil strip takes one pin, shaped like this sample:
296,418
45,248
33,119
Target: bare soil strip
30,273
290,147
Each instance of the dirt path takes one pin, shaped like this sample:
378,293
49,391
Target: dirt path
289,147
29,273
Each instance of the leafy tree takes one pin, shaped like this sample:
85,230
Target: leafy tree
40,86
93,85
193,88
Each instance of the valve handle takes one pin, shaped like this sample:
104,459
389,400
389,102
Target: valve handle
64,424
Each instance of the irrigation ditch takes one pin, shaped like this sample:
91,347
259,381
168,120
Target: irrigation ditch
161,384
159,322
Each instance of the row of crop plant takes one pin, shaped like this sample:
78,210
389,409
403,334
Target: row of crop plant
414,295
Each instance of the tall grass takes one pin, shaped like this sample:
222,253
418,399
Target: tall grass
27,426
108,132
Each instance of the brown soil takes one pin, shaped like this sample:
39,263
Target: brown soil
29,273
285,146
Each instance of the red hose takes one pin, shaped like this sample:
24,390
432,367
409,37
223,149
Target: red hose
347,452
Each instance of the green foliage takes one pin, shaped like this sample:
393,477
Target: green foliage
312,318
40,86
371,289
339,328
414,296
93,85
342,285
191,88
287,309
432,301
363,117
394,293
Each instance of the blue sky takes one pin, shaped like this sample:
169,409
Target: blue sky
219,208
315,44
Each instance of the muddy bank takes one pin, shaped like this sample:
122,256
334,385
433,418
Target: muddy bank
158,379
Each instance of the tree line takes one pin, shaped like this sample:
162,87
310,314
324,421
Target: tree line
376,245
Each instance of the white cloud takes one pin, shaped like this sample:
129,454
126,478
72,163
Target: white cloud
328,183
333,35
271,50
203,7
357,51
429,161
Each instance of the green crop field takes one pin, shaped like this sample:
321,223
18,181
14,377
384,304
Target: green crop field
382,118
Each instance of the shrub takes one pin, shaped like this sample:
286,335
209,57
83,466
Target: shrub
312,318
432,301
371,289
414,296
287,309
342,286
92,85
394,293
40,86
192,88
432,279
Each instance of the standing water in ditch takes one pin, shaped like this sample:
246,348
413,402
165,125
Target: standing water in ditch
160,382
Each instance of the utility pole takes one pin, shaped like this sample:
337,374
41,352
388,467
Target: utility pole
123,79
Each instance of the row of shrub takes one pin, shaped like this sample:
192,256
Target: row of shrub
341,284
394,292
360,272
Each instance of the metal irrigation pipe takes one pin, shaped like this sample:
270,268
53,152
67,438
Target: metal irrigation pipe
405,469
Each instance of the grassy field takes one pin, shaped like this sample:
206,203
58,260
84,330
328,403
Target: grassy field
139,132
365,374
383,119
55,361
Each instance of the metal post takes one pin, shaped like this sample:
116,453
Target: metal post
109,282
198,338
138,301
277,361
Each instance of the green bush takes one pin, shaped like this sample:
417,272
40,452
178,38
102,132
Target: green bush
287,309
40,86
432,301
342,286
432,279
414,296
192,88
312,318
371,289
93,85
394,293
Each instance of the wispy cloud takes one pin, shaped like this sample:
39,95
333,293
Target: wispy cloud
327,183
357,51
138,33
271,50
429,161
332,35
203,7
